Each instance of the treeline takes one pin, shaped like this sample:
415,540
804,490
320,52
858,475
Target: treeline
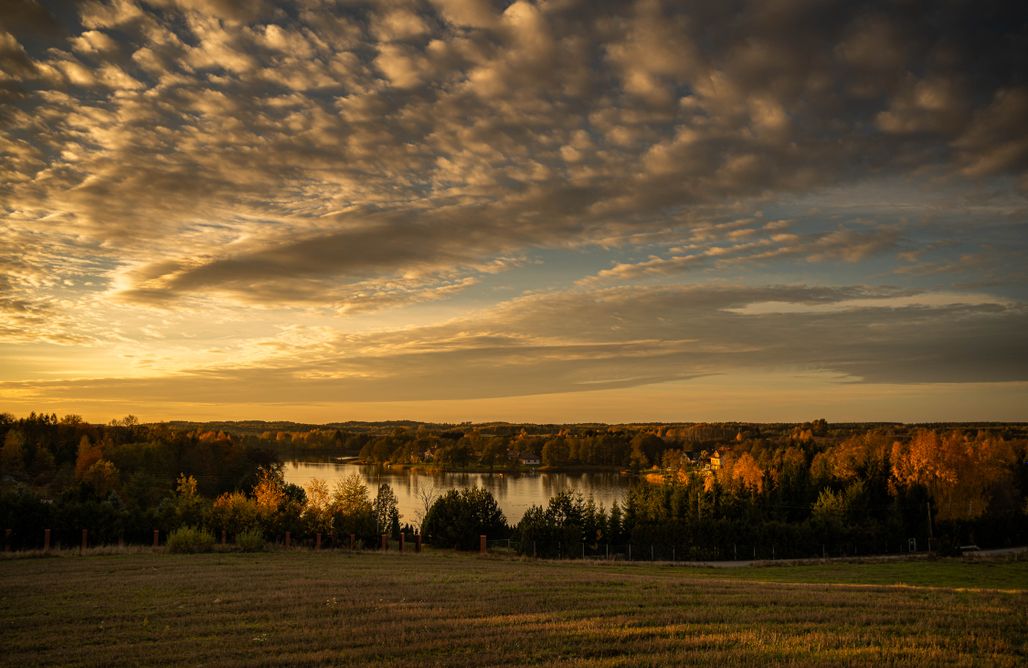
513,447
755,491
509,446
867,494
120,480
753,498
123,480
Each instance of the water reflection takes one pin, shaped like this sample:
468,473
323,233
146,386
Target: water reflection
515,493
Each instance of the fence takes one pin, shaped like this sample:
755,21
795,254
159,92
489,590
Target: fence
679,553
63,539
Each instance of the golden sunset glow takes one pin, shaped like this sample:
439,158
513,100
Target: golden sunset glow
530,211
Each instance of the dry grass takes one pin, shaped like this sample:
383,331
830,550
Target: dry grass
442,608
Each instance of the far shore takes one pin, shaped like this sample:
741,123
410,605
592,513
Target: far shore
429,467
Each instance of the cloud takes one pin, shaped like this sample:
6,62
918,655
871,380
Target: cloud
614,116
28,16
994,142
468,13
726,245
621,337
327,160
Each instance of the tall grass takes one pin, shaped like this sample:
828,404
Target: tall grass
250,541
190,539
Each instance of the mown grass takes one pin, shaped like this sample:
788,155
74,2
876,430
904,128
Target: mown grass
301,607
999,573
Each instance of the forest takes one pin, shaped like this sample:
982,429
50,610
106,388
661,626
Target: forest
703,491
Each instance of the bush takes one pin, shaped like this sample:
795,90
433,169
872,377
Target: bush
250,541
190,539
457,518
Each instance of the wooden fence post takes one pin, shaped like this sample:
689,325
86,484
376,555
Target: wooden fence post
223,536
317,544
402,537
288,537
482,544
156,538
417,543
385,542
85,540
7,540
353,541
46,540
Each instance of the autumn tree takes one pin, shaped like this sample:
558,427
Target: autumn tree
386,511
352,508
317,511
102,477
268,493
12,457
234,512
556,452
189,505
746,474
88,454
646,449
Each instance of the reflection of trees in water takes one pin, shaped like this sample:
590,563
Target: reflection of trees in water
514,492
553,484
498,485
450,480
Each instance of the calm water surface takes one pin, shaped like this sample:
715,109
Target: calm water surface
515,493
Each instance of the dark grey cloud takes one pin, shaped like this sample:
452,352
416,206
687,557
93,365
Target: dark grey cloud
30,18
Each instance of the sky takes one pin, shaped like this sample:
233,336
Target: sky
552,211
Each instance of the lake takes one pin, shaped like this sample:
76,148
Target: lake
514,492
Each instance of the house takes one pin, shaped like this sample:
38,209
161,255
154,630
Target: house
530,460
715,461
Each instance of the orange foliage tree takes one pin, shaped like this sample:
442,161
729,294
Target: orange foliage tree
957,471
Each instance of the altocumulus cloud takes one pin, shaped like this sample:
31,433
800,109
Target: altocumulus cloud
319,159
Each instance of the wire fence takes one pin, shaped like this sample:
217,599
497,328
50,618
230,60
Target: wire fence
679,553
64,538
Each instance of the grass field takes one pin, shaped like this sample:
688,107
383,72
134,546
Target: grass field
450,609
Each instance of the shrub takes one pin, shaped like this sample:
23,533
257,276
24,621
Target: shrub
190,539
457,518
250,541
